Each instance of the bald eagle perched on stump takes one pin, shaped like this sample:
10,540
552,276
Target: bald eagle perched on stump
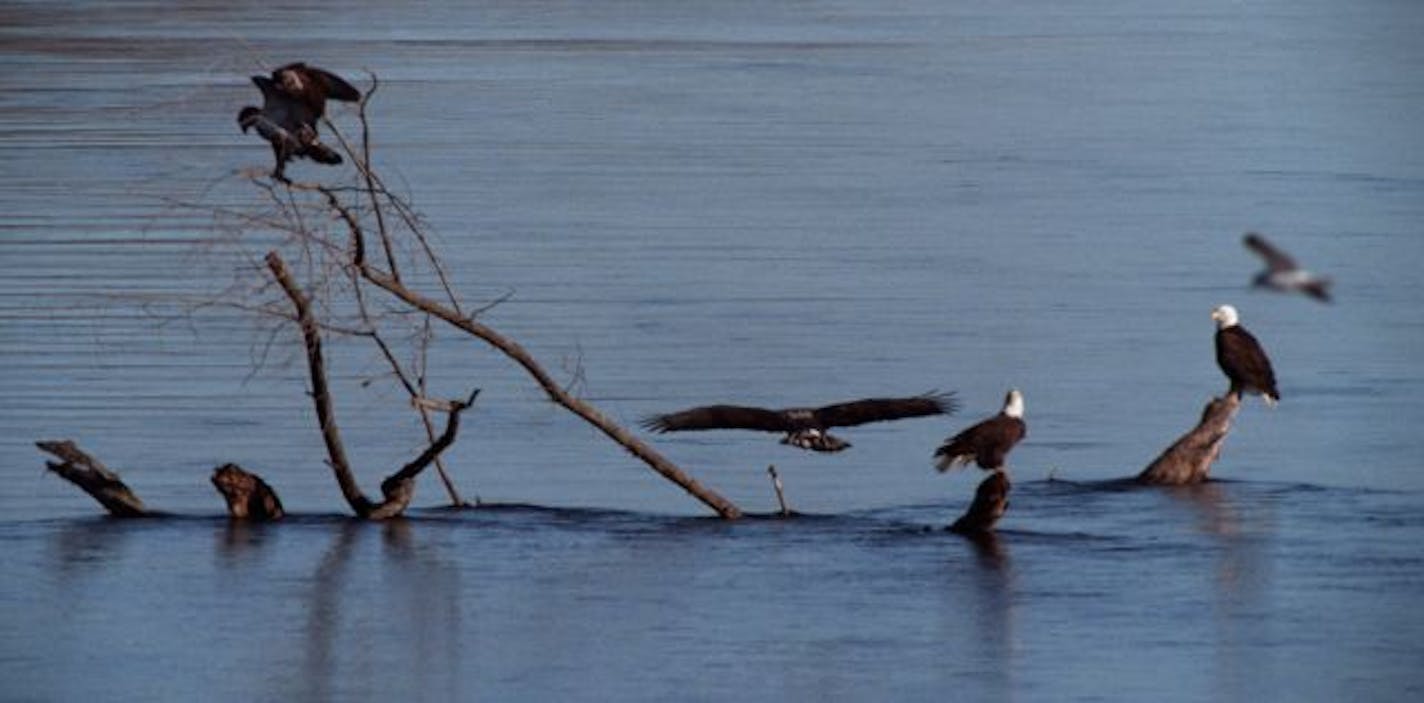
988,442
1241,357
804,427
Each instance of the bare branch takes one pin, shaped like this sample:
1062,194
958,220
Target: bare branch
321,396
514,351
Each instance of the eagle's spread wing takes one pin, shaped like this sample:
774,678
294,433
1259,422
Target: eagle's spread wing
1276,260
859,412
312,86
720,417
334,86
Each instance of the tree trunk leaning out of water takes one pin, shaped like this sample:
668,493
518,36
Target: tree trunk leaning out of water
94,478
1189,459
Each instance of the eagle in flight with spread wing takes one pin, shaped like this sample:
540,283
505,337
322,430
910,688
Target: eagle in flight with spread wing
805,427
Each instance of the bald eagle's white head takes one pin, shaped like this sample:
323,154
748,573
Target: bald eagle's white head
1014,403
1225,316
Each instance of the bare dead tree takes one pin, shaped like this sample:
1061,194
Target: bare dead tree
337,262
399,488
1188,460
317,238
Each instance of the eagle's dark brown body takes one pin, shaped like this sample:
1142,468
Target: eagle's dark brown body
986,443
1242,359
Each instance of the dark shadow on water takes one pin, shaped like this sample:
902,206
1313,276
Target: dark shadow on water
418,604
82,546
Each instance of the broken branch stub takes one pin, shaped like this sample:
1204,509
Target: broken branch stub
991,501
93,478
248,496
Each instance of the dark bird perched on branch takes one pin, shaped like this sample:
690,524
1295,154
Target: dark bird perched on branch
293,101
1282,273
805,427
1241,357
988,442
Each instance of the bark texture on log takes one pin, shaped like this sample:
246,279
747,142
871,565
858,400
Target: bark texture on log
93,478
1189,459
248,496
991,501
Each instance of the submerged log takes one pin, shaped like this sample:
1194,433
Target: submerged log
93,478
991,501
1189,459
248,496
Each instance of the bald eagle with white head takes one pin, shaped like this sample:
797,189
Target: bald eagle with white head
804,427
1242,359
987,443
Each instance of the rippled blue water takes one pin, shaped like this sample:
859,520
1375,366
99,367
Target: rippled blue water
732,202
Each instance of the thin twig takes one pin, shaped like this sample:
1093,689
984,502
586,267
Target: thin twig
780,490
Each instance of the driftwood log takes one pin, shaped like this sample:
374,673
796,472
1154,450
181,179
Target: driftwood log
248,496
991,501
1189,459
93,478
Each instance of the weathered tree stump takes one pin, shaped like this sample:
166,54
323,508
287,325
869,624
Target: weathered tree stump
248,496
1189,459
991,501
93,478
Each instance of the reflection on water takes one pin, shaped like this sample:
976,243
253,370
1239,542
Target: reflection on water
1242,569
1221,587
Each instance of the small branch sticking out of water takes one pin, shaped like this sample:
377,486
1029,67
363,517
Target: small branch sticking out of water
780,491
